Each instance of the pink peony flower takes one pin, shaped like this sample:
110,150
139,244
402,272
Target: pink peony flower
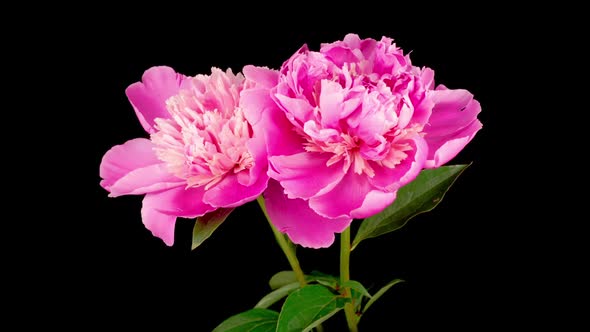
346,127
202,155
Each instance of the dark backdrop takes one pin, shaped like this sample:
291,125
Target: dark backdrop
455,260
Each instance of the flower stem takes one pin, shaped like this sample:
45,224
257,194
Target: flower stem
288,250
351,319
285,245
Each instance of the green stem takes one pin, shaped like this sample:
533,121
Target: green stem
351,319
285,245
288,250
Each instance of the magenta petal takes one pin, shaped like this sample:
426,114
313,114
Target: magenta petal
160,224
144,180
159,210
298,221
149,96
374,202
230,193
353,197
452,125
391,179
122,159
262,76
297,110
453,110
305,174
257,148
180,202
265,116
444,149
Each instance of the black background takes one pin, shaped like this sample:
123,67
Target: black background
460,261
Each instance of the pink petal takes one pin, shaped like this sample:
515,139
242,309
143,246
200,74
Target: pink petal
443,150
160,224
262,76
265,116
160,209
353,197
149,96
391,179
257,148
180,202
298,221
144,180
331,102
122,159
452,125
453,110
230,193
297,110
305,174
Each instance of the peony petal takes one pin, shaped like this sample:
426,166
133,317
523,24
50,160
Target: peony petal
443,150
297,110
230,193
391,179
144,180
257,148
352,197
265,116
149,96
122,159
331,102
160,224
453,110
305,174
374,202
262,76
452,125
298,221
180,202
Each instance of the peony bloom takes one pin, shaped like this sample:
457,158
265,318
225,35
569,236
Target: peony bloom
202,154
346,127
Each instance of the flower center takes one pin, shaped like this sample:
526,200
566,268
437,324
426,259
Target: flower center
204,139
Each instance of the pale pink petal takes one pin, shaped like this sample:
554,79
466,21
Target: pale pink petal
305,174
149,96
230,193
331,102
298,221
391,179
262,76
350,198
144,180
122,159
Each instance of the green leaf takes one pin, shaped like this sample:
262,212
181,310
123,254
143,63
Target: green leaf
281,279
308,307
357,286
253,320
419,196
323,279
274,296
207,224
381,292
